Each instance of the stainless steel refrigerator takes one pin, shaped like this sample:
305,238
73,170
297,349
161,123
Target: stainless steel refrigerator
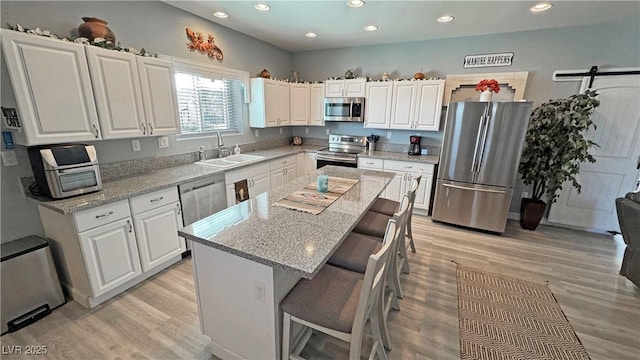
479,163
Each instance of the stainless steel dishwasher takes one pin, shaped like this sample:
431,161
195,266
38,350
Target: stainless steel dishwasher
201,198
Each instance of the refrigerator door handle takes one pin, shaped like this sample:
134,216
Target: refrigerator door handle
475,151
473,189
485,130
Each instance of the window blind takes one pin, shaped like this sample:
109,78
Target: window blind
207,105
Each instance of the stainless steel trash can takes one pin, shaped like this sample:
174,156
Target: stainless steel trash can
30,285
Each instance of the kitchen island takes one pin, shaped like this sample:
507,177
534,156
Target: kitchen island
248,257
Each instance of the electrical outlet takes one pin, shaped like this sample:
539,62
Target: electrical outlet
9,158
524,195
257,133
306,130
163,142
389,134
135,145
280,131
328,131
259,291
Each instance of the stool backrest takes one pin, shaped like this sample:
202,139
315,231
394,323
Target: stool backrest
413,190
374,276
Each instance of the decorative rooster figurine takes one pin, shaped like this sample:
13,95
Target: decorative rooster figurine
198,43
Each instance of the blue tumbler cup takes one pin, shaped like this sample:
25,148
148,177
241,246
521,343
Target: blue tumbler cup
323,183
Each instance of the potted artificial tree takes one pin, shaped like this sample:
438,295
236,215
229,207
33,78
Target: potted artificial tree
555,146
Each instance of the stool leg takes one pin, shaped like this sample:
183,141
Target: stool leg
377,338
403,254
410,234
384,330
286,333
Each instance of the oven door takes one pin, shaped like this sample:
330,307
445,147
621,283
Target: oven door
322,160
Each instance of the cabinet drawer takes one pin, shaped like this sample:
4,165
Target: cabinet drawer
282,162
89,219
369,163
245,173
153,200
407,166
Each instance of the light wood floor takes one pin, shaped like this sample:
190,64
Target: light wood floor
158,318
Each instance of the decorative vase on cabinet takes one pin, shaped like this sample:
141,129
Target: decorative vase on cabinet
95,28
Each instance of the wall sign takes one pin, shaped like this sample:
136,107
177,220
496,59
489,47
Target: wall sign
487,60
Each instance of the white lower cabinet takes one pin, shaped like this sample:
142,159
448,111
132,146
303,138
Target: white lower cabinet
405,172
283,170
102,251
310,164
111,255
401,183
258,181
157,231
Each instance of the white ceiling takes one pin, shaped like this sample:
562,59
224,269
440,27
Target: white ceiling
338,25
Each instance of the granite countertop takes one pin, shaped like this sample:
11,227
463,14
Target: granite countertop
429,159
294,241
124,188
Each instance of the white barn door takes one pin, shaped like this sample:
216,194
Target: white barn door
614,173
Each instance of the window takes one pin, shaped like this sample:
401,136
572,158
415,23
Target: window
210,98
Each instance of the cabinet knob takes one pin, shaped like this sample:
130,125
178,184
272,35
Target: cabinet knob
97,131
150,129
144,129
104,215
156,199
130,226
179,208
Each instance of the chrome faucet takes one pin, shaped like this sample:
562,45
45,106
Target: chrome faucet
220,145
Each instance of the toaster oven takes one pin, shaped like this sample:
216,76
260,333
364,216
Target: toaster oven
65,170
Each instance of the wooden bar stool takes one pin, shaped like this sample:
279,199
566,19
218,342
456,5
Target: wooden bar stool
339,302
390,207
372,224
354,252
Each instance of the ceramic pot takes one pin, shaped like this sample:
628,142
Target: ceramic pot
418,76
486,95
265,74
95,28
531,212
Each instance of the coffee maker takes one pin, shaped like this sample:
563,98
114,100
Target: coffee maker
414,147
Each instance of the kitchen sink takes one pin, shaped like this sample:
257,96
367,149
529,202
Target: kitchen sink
240,158
230,160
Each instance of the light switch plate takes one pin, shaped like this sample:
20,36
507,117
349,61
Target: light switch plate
280,131
257,133
163,142
306,130
328,131
9,158
135,145
389,134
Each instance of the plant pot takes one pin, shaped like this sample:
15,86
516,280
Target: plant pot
486,95
531,212
95,28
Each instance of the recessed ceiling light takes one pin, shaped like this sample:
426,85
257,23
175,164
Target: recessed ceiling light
541,7
310,34
355,3
445,18
371,28
220,14
262,7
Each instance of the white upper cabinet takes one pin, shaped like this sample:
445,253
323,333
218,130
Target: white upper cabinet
299,97
159,96
378,104
118,97
428,107
269,103
409,105
52,88
404,104
345,88
316,105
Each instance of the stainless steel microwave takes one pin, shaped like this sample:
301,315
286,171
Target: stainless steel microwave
349,109
65,170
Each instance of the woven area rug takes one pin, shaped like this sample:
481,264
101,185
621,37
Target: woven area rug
502,317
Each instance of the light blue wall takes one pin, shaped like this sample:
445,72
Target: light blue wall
540,52
159,28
